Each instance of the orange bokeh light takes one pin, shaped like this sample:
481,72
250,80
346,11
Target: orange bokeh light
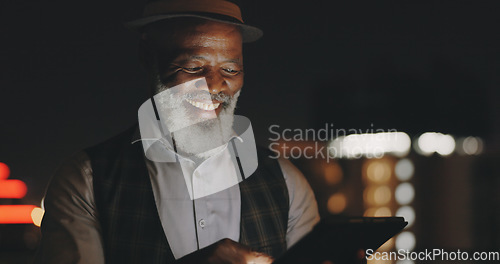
16,214
13,189
4,171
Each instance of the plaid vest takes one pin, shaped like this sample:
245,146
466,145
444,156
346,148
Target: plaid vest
131,227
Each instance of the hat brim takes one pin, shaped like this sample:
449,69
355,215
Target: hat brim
249,33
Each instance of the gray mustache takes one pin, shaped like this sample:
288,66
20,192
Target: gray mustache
225,99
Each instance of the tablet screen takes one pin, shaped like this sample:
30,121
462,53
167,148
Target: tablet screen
341,239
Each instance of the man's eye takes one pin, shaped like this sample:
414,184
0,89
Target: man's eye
192,70
231,71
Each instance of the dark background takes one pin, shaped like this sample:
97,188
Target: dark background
70,75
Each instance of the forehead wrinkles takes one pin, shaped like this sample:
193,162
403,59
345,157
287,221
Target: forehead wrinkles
216,41
212,45
216,37
216,47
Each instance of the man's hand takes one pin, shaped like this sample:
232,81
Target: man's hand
226,251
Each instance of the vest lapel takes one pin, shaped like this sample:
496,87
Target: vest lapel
264,208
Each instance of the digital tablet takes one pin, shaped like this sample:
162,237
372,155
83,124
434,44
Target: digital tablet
341,239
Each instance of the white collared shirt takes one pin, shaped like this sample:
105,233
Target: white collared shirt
199,205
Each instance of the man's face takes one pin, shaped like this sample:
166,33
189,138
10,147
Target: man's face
211,50
199,73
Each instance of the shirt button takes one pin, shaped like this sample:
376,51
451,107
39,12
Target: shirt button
202,223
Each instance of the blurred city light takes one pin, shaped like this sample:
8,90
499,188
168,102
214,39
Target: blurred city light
16,189
408,213
370,212
404,193
12,189
470,146
431,142
377,195
405,261
378,171
336,203
333,172
4,171
383,212
16,214
379,212
37,215
404,169
382,195
370,145
406,241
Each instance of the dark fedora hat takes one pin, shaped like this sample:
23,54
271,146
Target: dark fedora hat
217,10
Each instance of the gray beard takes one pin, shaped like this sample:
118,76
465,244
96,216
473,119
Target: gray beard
195,136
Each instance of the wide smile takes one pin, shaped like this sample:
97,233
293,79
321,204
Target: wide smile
203,106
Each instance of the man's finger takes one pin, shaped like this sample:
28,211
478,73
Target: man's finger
259,258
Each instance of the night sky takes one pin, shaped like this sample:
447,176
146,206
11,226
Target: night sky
71,78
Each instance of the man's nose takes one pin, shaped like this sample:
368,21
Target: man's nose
216,82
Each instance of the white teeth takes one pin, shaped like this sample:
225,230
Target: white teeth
203,106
